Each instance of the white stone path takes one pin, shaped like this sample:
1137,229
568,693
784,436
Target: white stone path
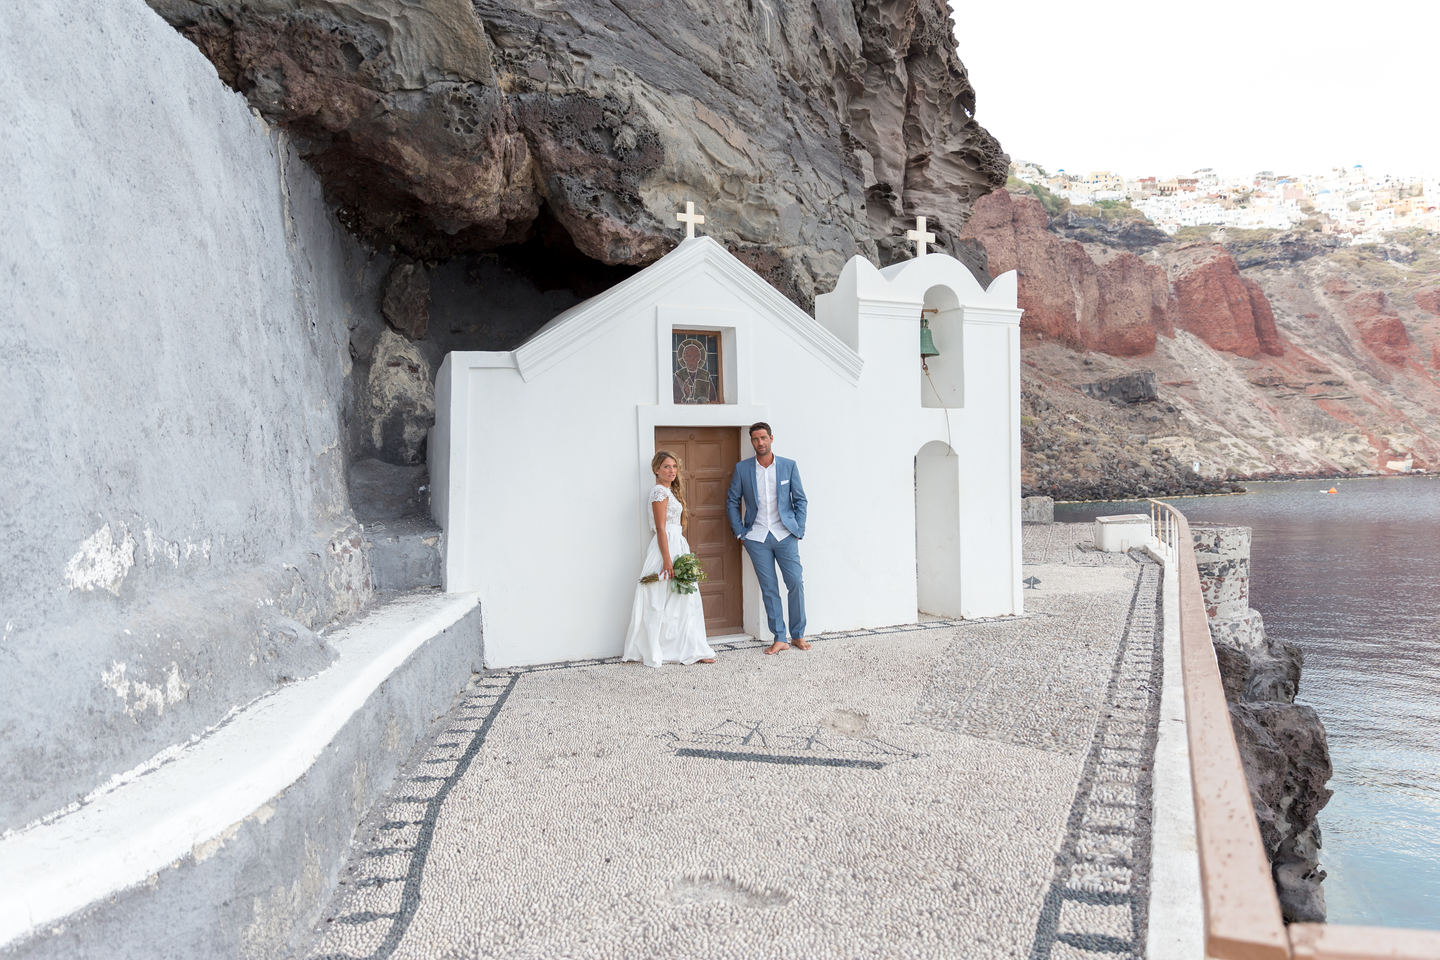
975,789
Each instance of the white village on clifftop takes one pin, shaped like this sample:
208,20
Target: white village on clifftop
1348,201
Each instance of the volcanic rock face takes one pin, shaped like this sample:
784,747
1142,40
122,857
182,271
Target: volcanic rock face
1136,387
1386,338
400,400
1099,296
1109,301
1288,248
1287,763
1381,331
1322,360
1227,311
406,301
1282,744
1081,448
806,132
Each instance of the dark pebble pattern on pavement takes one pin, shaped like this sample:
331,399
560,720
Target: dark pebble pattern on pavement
940,789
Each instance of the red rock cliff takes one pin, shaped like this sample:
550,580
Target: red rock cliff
1094,297
1214,302
1380,329
1110,301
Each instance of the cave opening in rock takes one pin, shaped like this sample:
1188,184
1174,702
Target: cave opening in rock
496,300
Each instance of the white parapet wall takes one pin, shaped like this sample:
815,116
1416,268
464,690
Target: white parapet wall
233,841
1176,909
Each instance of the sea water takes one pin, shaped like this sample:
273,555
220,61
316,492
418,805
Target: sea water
1353,578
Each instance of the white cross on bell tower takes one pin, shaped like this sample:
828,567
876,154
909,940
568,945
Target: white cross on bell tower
920,235
690,218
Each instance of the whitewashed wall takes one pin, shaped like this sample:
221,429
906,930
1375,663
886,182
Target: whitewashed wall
977,331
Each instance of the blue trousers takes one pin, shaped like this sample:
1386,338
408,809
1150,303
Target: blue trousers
764,557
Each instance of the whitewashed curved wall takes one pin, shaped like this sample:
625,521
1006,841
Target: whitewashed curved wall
176,300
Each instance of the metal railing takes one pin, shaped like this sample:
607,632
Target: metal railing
1242,911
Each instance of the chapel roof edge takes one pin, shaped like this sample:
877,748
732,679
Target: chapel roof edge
910,279
549,343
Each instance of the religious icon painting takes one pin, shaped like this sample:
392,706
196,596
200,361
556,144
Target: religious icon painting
695,356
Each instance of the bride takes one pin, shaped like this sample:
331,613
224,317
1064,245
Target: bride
665,625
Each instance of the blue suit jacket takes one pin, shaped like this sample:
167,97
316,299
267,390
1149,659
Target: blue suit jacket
789,495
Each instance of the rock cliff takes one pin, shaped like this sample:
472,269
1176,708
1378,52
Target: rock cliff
505,160
572,131
1086,298
1274,354
532,154
1225,310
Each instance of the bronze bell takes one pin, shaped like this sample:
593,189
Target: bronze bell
927,342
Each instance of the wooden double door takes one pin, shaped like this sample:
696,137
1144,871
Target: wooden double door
707,458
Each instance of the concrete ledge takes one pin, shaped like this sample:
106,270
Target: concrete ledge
233,844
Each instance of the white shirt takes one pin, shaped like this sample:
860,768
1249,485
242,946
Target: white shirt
767,508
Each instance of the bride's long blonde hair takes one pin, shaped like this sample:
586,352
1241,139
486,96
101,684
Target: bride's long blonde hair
677,489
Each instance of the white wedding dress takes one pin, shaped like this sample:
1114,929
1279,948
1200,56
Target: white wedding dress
665,625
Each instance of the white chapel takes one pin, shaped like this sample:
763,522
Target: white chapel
540,455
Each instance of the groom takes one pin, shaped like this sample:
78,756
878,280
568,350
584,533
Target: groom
772,527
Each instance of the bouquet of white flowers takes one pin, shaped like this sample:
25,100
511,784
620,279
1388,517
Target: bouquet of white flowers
688,574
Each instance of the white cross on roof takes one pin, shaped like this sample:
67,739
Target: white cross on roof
920,235
690,218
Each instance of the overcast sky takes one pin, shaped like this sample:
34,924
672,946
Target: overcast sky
1160,88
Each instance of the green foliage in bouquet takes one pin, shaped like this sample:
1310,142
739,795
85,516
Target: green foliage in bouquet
688,574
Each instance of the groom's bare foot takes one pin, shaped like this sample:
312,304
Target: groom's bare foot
800,643
779,646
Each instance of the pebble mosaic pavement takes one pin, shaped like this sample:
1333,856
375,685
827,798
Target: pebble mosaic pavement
942,789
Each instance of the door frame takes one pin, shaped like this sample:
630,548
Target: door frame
680,416
723,540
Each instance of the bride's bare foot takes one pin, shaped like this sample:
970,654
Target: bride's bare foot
800,643
706,660
779,646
